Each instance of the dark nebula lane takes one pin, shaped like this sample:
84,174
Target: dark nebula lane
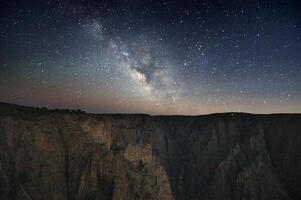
156,57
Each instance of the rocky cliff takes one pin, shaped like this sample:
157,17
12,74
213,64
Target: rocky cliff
60,155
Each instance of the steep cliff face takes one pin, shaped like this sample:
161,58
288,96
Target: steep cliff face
62,155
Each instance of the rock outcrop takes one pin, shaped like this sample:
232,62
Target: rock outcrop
71,155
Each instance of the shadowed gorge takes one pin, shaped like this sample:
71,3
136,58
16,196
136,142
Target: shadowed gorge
72,155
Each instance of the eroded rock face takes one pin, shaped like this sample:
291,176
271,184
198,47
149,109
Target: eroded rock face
61,155
148,179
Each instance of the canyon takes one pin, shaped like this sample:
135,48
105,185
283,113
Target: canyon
70,155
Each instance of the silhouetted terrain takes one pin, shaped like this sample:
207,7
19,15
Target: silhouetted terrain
67,155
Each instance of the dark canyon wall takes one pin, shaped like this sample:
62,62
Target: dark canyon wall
60,155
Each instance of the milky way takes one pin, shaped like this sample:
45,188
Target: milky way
156,57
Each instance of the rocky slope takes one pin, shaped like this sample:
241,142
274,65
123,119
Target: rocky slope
71,155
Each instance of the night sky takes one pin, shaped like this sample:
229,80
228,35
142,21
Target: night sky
155,57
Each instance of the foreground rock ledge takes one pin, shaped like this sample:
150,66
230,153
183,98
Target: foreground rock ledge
71,155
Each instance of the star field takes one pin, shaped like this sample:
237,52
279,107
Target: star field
156,57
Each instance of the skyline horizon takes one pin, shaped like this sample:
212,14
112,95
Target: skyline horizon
78,110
